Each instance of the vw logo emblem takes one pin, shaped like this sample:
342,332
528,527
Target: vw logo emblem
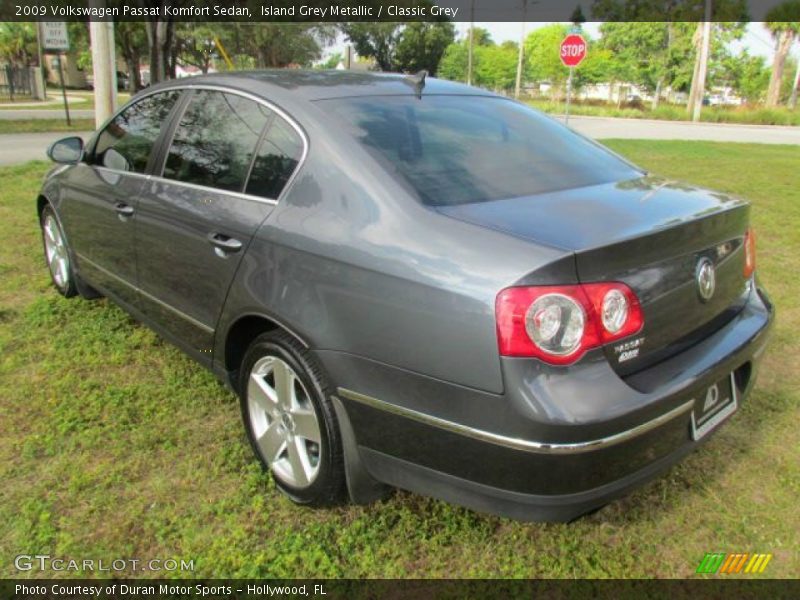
706,279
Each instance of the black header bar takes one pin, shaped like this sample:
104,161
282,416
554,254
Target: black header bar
334,11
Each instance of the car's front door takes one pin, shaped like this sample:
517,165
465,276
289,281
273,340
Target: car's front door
222,173
103,191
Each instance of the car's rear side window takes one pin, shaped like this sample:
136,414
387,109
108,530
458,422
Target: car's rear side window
216,139
461,149
276,160
126,142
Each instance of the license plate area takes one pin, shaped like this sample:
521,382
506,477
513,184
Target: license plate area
713,406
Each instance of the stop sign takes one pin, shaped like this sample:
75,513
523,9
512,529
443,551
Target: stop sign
573,50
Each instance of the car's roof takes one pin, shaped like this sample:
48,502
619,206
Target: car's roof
321,84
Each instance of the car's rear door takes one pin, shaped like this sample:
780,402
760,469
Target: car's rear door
101,194
219,177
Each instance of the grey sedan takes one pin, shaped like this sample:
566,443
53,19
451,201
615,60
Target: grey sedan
413,283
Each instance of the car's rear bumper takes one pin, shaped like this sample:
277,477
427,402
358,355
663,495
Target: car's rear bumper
559,442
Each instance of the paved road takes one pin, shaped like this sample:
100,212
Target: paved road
601,127
22,147
18,148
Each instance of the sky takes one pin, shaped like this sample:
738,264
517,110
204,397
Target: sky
757,40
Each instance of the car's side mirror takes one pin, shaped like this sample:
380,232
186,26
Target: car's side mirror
68,150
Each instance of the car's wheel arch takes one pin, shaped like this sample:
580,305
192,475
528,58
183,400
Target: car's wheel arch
246,328
41,202
243,330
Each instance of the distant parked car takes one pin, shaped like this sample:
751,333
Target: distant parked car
635,101
123,81
416,283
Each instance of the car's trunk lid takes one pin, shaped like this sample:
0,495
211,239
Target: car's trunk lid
648,233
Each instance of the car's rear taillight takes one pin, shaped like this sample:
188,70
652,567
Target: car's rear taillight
559,323
749,253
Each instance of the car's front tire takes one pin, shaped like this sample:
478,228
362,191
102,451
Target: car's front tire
56,253
290,421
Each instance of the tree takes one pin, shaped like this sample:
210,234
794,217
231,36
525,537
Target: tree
480,37
496,66
195,43
454,61
159,37
398,47
746,75
422,45
18,43
784,30
679,65
599,66
376,40
641,52
269,44
790,83
543,60
131,41
79,47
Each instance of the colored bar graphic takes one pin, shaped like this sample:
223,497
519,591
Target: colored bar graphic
735,562
711,562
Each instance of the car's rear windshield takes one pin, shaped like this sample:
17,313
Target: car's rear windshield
461,149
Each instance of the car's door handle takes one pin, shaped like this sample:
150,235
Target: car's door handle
224,243
125,210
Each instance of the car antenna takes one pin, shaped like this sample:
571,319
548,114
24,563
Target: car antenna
418,81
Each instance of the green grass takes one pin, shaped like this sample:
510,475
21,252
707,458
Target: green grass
44,125
711,114
114,444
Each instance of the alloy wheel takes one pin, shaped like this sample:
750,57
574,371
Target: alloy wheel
284,423
56,252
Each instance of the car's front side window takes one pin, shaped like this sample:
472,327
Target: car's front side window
215,140
127,141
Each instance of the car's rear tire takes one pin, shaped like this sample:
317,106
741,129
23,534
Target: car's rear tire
56,253
290,421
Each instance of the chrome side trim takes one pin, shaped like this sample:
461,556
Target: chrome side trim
139,290
219,88
133,174
212,190
517,443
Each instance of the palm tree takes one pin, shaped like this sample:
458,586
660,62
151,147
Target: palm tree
784,31
17,43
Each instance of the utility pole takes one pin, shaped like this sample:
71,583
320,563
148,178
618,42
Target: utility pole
105,71
471,41
701,73
41,61
521,54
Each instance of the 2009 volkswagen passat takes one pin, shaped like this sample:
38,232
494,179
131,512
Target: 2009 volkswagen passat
416,284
